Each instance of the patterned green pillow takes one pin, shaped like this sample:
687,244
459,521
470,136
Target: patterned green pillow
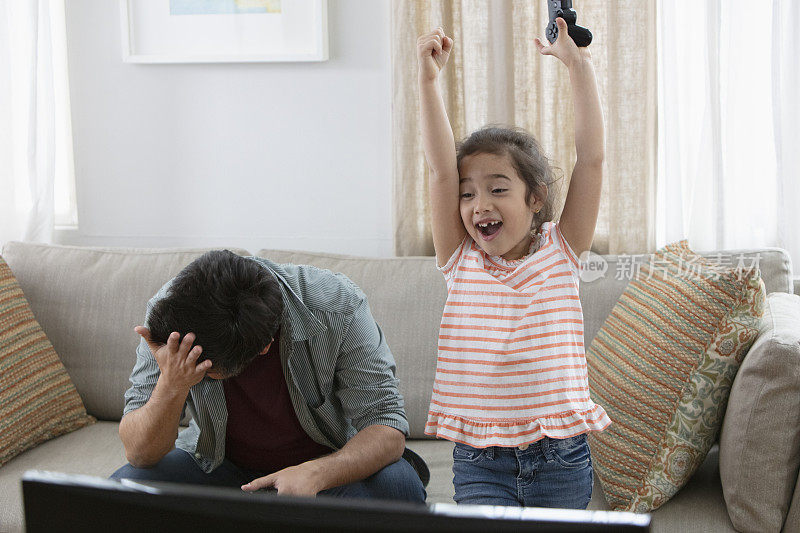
37,399
662,366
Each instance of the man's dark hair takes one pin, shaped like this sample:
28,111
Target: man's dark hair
231,303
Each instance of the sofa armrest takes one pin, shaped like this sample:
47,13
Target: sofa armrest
760,439
793,517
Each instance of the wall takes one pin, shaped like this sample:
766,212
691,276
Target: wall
260,155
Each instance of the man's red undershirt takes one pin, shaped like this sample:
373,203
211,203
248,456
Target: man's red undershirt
263,432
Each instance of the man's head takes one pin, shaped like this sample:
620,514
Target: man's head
232,304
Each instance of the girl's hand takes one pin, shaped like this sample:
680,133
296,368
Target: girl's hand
433,51
564,48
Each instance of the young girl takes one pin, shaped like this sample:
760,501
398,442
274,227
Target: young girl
511,386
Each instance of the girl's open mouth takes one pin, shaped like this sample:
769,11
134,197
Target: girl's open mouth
489,230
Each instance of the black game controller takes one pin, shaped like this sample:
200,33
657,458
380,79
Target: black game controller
563,9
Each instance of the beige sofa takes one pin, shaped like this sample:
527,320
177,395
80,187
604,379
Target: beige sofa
88,300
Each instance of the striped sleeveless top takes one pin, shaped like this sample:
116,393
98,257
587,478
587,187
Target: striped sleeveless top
511,367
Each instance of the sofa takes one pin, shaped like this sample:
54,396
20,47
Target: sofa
88,300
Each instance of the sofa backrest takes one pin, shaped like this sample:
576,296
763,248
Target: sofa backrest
407,297
89,299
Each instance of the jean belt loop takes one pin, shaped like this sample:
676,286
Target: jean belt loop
547,451
489,453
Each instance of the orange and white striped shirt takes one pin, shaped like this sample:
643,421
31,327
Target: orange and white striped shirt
511,367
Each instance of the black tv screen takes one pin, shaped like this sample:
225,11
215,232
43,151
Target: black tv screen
63,502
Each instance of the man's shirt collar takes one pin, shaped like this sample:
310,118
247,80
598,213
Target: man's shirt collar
300,322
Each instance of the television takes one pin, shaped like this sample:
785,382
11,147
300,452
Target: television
67,502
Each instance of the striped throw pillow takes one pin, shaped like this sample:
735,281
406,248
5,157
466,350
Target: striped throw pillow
662,366
37,399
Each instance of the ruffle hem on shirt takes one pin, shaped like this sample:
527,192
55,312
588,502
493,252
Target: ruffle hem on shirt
512,433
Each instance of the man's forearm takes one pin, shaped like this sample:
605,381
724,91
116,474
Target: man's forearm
589,130
371,449
148,433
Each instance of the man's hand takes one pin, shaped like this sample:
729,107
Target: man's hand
300,480
564,48
433,51
177,360
368,451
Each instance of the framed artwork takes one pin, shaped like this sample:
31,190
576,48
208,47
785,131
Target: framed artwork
213,31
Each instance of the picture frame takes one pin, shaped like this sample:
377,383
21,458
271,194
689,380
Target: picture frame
224,31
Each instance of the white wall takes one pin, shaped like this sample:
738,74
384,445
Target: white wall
259,155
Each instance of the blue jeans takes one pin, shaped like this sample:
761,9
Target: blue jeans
397,481
548,473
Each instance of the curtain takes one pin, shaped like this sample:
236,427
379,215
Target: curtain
496,75
728,120
35,138
786,121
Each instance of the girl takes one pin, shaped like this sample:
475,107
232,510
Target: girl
511,386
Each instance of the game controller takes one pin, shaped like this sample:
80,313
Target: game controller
563,9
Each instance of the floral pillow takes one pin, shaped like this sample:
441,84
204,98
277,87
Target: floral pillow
662,366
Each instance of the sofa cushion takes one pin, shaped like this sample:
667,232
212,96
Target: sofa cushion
698,506
92,451
406,296
760,440
88,301
37,399
661,366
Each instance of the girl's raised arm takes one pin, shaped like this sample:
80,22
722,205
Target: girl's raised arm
433,51
579,217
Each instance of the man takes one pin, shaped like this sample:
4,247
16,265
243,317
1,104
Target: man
288,379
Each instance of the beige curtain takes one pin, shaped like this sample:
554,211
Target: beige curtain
496,75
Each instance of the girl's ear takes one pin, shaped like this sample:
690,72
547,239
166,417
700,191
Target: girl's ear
536,204
539,198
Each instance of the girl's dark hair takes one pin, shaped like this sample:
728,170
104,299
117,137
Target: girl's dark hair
526,155
232,304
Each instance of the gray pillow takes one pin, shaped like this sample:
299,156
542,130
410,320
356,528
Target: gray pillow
759,447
